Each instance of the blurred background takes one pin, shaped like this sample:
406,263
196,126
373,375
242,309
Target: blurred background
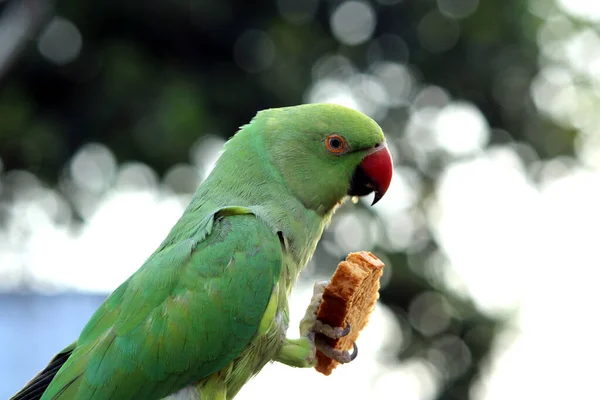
112,113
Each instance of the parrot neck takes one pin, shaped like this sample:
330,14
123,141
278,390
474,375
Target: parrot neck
243,176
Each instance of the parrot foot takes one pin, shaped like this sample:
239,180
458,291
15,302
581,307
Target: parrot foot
310,326
341,356
302,352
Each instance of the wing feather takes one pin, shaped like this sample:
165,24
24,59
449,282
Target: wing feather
189,311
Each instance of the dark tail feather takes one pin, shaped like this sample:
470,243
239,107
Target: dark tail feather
35,388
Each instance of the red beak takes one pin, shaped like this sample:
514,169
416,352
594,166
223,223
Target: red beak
374,174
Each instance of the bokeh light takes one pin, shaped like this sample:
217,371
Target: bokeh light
61,41
457,8
353,22
254,51
438,33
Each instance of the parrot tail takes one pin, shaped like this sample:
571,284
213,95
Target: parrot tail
35,388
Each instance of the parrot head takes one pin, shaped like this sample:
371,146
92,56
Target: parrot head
326,152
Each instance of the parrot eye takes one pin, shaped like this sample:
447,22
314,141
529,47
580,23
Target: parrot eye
335,144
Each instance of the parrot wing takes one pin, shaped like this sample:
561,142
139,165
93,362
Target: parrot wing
189,311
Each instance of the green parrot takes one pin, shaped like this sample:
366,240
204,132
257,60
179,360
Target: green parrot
209,308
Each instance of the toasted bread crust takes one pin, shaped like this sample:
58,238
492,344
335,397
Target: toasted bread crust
349,297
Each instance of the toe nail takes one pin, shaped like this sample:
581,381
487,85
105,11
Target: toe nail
346,329
354,351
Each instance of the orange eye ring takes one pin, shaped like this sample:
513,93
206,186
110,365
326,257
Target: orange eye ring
335,144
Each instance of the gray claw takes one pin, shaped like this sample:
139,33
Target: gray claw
341,356
346,329
330,331
354,351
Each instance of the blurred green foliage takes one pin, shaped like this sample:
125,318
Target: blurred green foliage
152,77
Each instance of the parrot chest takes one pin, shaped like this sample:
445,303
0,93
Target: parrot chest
262,349
269,339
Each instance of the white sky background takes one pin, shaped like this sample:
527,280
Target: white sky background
519,238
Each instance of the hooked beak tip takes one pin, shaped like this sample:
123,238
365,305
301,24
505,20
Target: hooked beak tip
378,196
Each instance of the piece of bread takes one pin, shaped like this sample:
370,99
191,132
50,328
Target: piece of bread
349,297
